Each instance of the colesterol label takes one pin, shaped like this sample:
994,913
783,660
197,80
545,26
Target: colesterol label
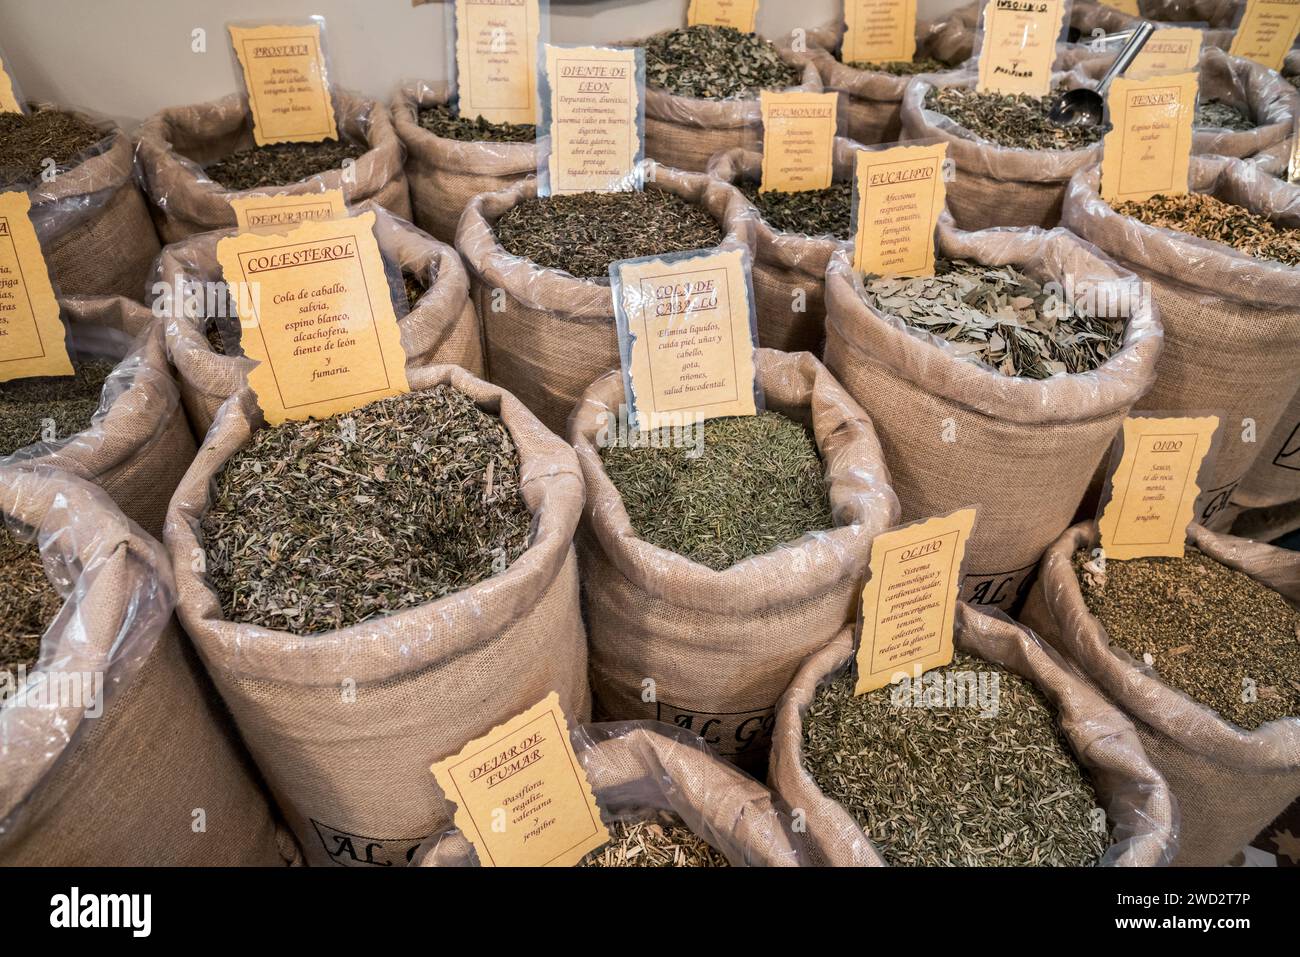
32,338
275,213
740,14
1267,30
323,329
1019,45
287,83
1149,147
798,140
496,59
522,798
879,31
595,110
899,195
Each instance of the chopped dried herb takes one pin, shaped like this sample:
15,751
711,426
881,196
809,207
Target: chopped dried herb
68,402
653,844
1223,116
813,212
1204,216
904,67
1014,120
715,63
446,121
28,140
280,164
28,602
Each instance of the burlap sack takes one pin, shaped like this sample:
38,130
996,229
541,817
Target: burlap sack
1270,494
789,269
1229,783
1142,815
995,185
957,434
1087,18
441,328
646,770
720,646
138,445
548,335
687,131
1266,98
93,223
871,105
150,771
446,174
176,143
1232,322
345,725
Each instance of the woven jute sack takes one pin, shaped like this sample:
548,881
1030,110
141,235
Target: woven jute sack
1232,322
687,131
1140,810
144,768
441,328
650,771
93,222
1270,101
720,646
548,334
138,445
345,724
1230,783
789,270
176,143
956,433
995,185
446,174
871,103
1270,494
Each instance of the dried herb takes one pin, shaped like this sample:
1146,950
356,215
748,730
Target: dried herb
1015,120
653,844
582,233
216,337
28,140
920,64
323,524
813,212
28,602
998,316
1206,217
415,288
446,121
715,63
280,164
1223,116
938,784
70,402
754,483
1210,631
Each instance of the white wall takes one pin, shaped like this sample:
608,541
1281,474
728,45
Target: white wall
128,58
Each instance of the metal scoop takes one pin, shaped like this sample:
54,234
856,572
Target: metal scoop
1085,107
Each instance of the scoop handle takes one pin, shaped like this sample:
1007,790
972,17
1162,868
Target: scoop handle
1126,56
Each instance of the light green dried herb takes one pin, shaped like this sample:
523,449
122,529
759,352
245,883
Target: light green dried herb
653,844
1014,120
715,63
69,402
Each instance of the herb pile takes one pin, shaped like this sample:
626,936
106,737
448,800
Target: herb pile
28,603
903,67
1014,120
446,121
1204,216
27,140
812,212
70,402
715,63
1223,116
280,164
653,844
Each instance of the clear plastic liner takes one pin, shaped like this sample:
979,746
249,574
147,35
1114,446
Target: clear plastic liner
445,174
136,440
118,597
472,658
1215,18
647,770
176,144
549,334
721,645
1140,810
188,290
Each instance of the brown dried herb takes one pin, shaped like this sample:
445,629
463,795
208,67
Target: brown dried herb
1204,216
280,164
1013,120
445,121
1210,631
323,524
28,140
812,212
653,844
582,233
715,63
28,602
70,402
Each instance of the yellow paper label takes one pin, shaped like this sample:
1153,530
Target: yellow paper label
8,102
595,102
1266,32
879,31
798,140
522,799
1127,6
1293,166
1149,147
1154,486
1176,50
32,340
692,354
288,89
496,59
1019,45
741,14
323,330
263,214
900,194
909,602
